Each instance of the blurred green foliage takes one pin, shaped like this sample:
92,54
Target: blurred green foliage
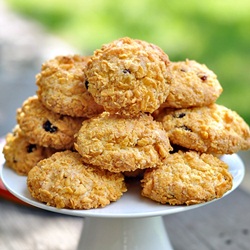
213,32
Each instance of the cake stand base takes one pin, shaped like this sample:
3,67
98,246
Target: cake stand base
124,234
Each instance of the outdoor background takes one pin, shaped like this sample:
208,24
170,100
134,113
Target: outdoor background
213,32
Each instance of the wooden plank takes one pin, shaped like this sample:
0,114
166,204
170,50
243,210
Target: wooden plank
29,228
224,224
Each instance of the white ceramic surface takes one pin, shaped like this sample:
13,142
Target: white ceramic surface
124,234
131,204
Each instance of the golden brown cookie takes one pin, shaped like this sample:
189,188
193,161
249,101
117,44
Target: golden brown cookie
192,84
187,178
128,76
46,128
64,181
213,129
119,144
20,154
62,87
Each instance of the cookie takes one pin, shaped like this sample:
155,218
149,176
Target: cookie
46,128
128,76
192,85
212,129
62,87
119,144
187,178
64,181
20,154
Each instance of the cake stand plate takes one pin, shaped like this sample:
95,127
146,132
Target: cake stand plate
131,223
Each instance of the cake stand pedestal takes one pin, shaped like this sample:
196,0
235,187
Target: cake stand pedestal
124,234
131,223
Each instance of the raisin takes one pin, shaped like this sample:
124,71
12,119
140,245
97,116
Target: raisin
87,84
203,78
181,115
48,127
186,128
31,148
125,71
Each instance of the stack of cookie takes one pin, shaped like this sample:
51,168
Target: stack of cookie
47,122
125,111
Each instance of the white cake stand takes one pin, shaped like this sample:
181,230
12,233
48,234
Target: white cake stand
132,223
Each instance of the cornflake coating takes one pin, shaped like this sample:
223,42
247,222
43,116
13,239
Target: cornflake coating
213,129
187,178
119,144
128,76
62,87
192,84
20,155
64,181
46,128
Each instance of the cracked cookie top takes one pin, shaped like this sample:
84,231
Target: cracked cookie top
128,76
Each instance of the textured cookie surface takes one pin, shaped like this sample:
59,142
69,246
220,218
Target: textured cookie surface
21,155
212,129
187,178
120,144
45,127
62,87
64,181
192,84
128,76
